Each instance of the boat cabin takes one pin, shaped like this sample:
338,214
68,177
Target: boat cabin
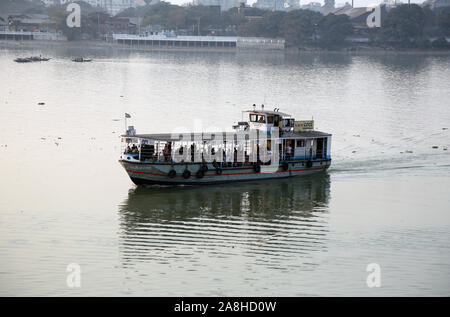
294,140
265,120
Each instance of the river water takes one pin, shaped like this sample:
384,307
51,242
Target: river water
65,199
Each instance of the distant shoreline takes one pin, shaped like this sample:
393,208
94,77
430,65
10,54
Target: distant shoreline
355,50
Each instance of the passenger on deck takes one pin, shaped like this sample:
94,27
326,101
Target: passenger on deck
128,150
134,149
288,150
166,153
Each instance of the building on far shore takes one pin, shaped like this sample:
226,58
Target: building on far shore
111,6
224,4
272,5
437,4
328,6
3,23
31,22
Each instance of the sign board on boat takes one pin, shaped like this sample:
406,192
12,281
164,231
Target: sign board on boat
303,125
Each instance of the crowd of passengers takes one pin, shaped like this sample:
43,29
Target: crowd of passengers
148,153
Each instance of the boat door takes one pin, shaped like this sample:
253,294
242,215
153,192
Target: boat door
319,148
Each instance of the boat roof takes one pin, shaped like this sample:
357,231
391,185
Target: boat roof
305,134
211,136
268,112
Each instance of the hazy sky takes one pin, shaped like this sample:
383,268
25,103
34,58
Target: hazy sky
357,3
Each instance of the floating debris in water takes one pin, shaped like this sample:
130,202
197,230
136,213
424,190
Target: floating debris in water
444,128
57,144
409,151
353,151
445,148
435,147
42,138
41,103
356,135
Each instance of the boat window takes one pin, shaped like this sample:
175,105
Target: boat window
257,118
300,143
269,119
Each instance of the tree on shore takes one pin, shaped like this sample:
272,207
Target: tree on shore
334,29
443,20
403,24
300,26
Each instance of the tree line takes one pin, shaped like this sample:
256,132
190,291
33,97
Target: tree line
405,26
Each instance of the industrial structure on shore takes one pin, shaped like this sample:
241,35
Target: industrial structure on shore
199,41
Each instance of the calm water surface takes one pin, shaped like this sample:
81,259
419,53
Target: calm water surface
64,198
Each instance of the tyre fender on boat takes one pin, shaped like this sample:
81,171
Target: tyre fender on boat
257,168
204,168
285,166
218,171
309,164
200,173
172,174
186,174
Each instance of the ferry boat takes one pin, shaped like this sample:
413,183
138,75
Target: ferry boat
268,145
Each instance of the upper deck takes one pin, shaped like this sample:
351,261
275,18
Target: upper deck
211,136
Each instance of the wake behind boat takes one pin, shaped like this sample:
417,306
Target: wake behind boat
270,144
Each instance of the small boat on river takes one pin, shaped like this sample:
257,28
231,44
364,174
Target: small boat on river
269,144
32,59
39,59
23,60
81,60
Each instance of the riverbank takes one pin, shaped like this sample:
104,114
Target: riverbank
357,49
368,49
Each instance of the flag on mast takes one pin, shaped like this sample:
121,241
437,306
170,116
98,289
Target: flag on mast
127,115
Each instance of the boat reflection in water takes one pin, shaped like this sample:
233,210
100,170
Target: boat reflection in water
264,222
